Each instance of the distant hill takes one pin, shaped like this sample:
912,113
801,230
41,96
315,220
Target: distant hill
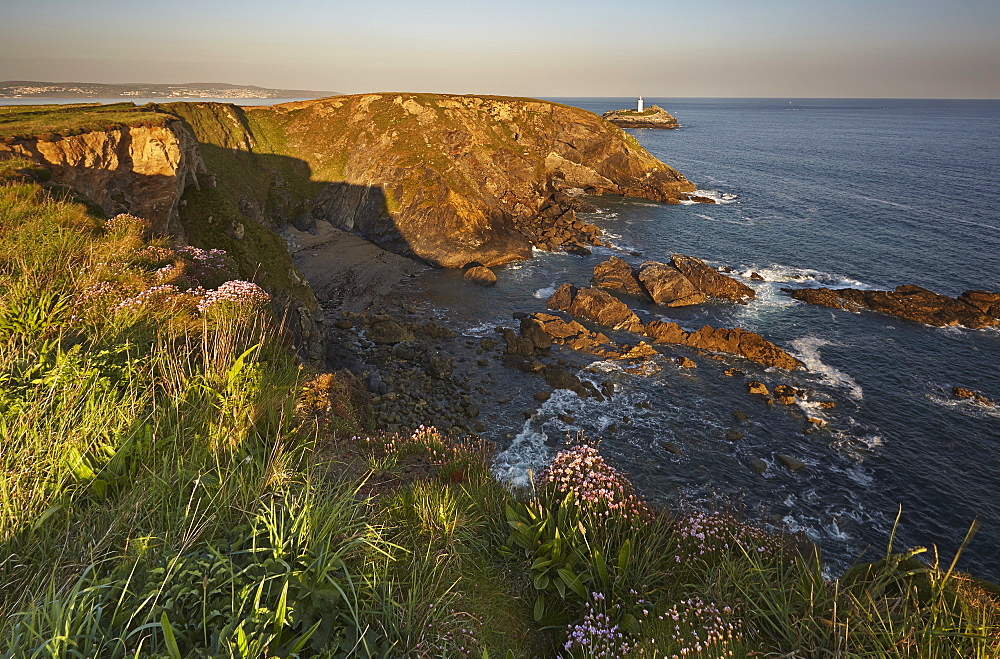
35,89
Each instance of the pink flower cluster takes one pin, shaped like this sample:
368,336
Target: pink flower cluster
582,470
236,293
425,440
125,223
205,266
596,636
160,296
702,629
702,534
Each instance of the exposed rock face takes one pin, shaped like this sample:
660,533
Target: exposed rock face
449,179
684,281
668,286
596,306
973,309
141,170
732,341
652,117
711,282
617,275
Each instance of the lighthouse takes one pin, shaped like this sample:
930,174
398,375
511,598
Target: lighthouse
639,106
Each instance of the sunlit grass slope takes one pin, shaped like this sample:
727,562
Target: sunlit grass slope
173,484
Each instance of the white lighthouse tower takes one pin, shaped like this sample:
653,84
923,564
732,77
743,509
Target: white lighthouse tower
639,106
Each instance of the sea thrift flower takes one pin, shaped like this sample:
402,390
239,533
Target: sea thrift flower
124,222
236,293
595,636
582,471
701,627
160,295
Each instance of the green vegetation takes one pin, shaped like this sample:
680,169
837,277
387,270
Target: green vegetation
173,484
50,121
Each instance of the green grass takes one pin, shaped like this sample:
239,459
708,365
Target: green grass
173,484
52,121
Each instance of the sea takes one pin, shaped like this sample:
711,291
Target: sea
864,193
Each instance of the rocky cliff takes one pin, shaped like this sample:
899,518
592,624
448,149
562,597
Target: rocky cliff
142,170
448,179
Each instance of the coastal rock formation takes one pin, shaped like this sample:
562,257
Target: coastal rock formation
602,308
668,286
734,341
652,117
975,309
617,275
596,306
140,170
711,282
684,281
448,179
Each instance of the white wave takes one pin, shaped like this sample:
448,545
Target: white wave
717,196
545,293
807,351
480,330
807,277
529,451
966,406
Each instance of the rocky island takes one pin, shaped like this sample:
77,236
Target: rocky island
652,117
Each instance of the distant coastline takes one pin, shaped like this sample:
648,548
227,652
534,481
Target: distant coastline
31,89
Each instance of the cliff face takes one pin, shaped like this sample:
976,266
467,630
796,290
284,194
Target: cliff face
142,170
449,179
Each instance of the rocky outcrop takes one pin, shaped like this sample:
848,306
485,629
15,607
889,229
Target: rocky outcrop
652,117
140,170
596,306
684,281
975,309
711,282
617,275
449,179
668,286
734,341
603,308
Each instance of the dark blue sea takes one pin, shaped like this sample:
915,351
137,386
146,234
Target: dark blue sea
861,193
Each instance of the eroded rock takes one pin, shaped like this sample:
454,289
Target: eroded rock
975,309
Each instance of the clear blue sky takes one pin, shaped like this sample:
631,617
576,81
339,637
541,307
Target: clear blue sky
853,48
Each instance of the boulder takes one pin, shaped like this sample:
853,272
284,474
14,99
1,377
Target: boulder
560,378
734,435
711,282
757,388
481,275
685,362
909,302
668,286
595,305
517,345
790,463
757,465
533,330
388,332
617,275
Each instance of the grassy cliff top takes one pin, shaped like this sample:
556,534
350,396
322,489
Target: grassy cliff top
47,121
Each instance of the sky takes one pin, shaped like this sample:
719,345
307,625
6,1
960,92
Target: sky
546,48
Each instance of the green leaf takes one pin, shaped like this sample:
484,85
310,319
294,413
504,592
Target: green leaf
541,581
572,581
602,569
168,637
539,610
624,555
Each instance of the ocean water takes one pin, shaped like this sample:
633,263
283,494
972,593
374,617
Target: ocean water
861,193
